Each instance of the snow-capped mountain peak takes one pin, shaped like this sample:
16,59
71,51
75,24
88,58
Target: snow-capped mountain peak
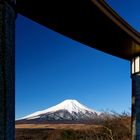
72,107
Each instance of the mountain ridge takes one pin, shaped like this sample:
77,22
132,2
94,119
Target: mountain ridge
68,110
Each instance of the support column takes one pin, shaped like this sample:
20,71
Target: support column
7,70
136,98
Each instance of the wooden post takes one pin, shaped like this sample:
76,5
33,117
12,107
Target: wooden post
7,70
136,98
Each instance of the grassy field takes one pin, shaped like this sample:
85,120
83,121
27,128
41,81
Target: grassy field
118,128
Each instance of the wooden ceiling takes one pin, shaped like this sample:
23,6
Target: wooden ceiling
91,22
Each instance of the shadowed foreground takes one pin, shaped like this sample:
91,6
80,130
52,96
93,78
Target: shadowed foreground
118,128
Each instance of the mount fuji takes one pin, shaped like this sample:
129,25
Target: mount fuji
68,110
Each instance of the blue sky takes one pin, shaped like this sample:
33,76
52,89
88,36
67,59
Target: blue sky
51,68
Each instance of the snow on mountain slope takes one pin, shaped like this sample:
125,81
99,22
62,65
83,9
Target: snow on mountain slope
68,109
